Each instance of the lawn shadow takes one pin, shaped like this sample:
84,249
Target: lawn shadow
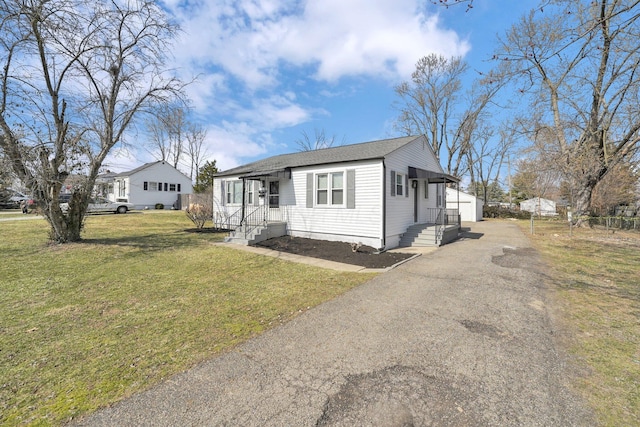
160,241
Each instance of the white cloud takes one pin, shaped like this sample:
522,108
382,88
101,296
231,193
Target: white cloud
359,37
251,55
251,39
229,142
275,112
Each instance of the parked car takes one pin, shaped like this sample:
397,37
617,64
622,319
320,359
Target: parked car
100,204
13,199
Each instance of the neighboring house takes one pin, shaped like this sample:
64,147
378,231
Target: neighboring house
539,206
381,194
150,184
469,206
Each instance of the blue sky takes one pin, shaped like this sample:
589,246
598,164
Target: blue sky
270,69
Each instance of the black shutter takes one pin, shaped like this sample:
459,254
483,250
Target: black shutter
393,183
351,188
309,190
406,185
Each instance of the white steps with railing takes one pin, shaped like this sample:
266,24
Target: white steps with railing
244,235
420,235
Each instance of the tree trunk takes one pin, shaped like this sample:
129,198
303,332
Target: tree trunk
583,203
64,227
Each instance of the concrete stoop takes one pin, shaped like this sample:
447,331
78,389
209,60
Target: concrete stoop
426,235
258,234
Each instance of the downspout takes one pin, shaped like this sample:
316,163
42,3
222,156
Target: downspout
384,206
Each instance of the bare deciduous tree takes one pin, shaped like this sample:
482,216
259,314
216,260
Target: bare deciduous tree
167,128
432,104
447,3
427,101
195,148
487,157
579,61
318,141
75,75
619,187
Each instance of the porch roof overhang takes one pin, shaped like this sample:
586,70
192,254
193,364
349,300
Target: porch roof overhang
431,176
275,173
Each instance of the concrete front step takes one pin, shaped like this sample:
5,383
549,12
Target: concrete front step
259,234
420,235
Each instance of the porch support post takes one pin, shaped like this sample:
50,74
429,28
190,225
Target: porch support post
458,194
444,202
242,213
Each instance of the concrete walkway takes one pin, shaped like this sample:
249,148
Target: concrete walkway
462,336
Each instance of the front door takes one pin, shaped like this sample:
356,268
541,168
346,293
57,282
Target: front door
274,194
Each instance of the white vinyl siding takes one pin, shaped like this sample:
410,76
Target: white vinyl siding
358,217
156,176
400,210
366,187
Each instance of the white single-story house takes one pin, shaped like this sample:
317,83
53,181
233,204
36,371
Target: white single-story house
539,206
469,206
146,186
382,194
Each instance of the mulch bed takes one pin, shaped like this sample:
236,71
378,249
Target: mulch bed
365,256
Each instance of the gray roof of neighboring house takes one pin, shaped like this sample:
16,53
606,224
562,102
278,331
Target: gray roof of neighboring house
345,153
112,175
139,168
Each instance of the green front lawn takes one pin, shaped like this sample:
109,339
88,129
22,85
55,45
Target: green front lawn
84,325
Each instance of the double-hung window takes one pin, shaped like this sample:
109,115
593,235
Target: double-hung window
330,189
400,184
234,192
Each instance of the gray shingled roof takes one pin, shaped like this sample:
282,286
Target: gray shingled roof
138,169
143,167
344,153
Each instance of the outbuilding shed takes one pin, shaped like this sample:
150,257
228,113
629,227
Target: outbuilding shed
469,206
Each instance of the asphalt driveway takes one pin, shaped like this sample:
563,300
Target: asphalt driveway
461,336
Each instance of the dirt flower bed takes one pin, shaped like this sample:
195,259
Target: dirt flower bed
364,256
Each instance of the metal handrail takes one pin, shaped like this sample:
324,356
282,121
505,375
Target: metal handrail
256,218
441,218
234,220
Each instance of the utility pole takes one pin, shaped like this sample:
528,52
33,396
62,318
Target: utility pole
509,173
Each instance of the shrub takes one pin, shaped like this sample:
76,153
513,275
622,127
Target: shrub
159,206
199,214
498,212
